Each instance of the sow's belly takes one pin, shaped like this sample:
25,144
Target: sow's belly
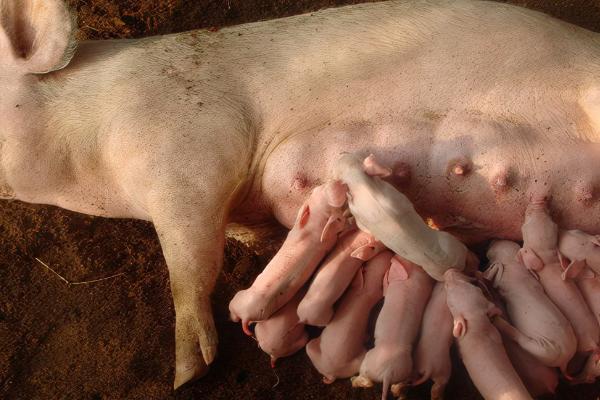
475,185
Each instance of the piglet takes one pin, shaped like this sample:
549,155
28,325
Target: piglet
335,275
340,349
432,355
539,326
589,285
390,216
538,378
479,342
407,291
580,249
282,334
314,233
540,255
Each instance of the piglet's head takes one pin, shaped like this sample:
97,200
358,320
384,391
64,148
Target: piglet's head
503,251
465,300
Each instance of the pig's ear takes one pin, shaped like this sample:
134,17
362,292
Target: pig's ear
373,168
36,36
587,274
573,269
332,228
397,271
460,327
531,260
303,215
364,253
494,273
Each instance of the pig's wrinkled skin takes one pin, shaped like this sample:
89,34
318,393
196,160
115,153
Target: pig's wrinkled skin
580,249
340,349
432,354
190,132
479,342
540,255
538,378
541,328
282,334
407,289
315,232
335,275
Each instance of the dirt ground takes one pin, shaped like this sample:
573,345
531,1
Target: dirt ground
114,339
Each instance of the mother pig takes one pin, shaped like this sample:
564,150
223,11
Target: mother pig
472,104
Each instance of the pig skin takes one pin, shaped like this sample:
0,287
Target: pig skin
540,255
282,334
390,216
432,354
335,275
315,232
203,138
479,342
340,349
407,288
541,328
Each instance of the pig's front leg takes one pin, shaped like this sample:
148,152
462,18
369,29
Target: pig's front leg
190,223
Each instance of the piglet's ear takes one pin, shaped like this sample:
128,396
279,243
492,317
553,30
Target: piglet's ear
530,259
573,270
36,36
460,327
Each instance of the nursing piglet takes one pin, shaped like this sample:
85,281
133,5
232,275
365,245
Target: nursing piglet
540,255
580,249
539,326
340,349
314,233
407,291
282,334
432,355
479,342
589,285
335,275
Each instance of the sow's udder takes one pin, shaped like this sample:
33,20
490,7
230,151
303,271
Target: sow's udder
357,238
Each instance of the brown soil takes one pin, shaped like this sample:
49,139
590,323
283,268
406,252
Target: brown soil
114,339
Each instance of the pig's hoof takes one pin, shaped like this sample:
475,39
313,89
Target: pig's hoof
196,347
361,382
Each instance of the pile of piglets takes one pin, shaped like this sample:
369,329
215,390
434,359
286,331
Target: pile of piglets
530,317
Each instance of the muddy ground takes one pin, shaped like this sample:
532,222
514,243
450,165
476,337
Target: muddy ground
113,339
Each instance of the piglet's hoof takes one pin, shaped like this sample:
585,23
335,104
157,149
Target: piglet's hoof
361,382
